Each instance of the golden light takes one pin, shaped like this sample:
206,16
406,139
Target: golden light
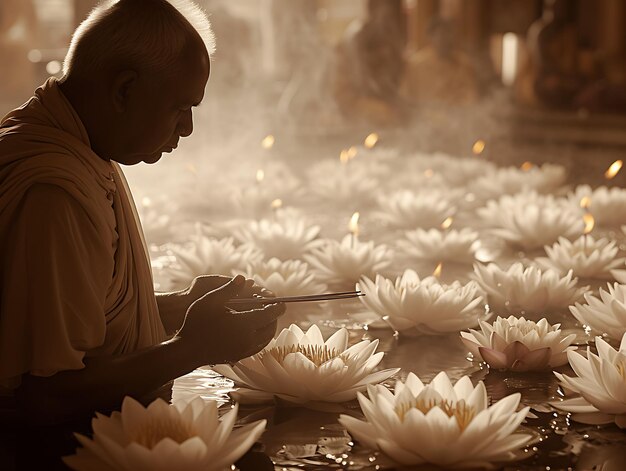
352,151
438,269
613,169
585,202
589,222
429,172
353,226
146,202
343,156
371,140
260,175
526,166
478,147
447,223
268,142
276,204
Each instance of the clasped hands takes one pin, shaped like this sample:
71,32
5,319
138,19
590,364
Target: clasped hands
218,333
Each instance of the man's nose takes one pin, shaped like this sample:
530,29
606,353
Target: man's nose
185,124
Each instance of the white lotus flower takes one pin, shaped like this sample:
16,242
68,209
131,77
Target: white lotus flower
289,278
604,314
528,291
438,423
286,239
530,221
601,382
425,305
512,180
409,210
338,183
518,344
441,246
586,257
164,437
301,367
346,261
607,205
204,255
456,171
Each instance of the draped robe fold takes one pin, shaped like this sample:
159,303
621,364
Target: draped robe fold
75,278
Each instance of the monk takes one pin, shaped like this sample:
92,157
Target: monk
80,324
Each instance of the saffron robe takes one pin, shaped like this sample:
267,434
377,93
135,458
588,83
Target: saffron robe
75,277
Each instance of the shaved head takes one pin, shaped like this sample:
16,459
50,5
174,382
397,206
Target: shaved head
137,34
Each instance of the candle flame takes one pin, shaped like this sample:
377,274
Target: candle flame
352,151
589,223
260,175
428,173
353,226
478,147
526,166
585,202
438,269
613,169
343,156
268,142
447,223
371,140
277,203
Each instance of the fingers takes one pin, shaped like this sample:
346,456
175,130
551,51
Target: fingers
258,318
225,292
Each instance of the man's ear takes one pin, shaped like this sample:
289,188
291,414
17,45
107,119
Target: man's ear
123,85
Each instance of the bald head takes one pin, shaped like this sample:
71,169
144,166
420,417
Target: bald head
142,35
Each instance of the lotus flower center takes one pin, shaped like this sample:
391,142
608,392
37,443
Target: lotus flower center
158,428
318,354
460,411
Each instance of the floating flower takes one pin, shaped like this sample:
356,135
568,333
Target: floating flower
601,382
289,278
409,210
528,291
286,239
205,255
425,305
607,205
441,246
530,221
301,367
604,314
346,261
512,180
518,344
164,437
586,257
438,423
347,183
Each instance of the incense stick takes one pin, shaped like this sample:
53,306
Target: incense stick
298,299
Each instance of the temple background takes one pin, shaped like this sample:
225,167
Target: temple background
532,80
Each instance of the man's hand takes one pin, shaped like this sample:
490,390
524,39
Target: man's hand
204,284
220,334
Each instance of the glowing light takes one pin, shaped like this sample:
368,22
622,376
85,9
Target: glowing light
447,223
343,156
53,67
613,169
510,45
146,202
353,226
35,55
260,175
438,270
585,202
526,166
478,147
371,140
352,151
268,142
428,173
277,204
589,223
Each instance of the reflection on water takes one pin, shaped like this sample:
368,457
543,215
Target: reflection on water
311,439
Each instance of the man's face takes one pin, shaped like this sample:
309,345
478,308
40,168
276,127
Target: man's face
159,112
